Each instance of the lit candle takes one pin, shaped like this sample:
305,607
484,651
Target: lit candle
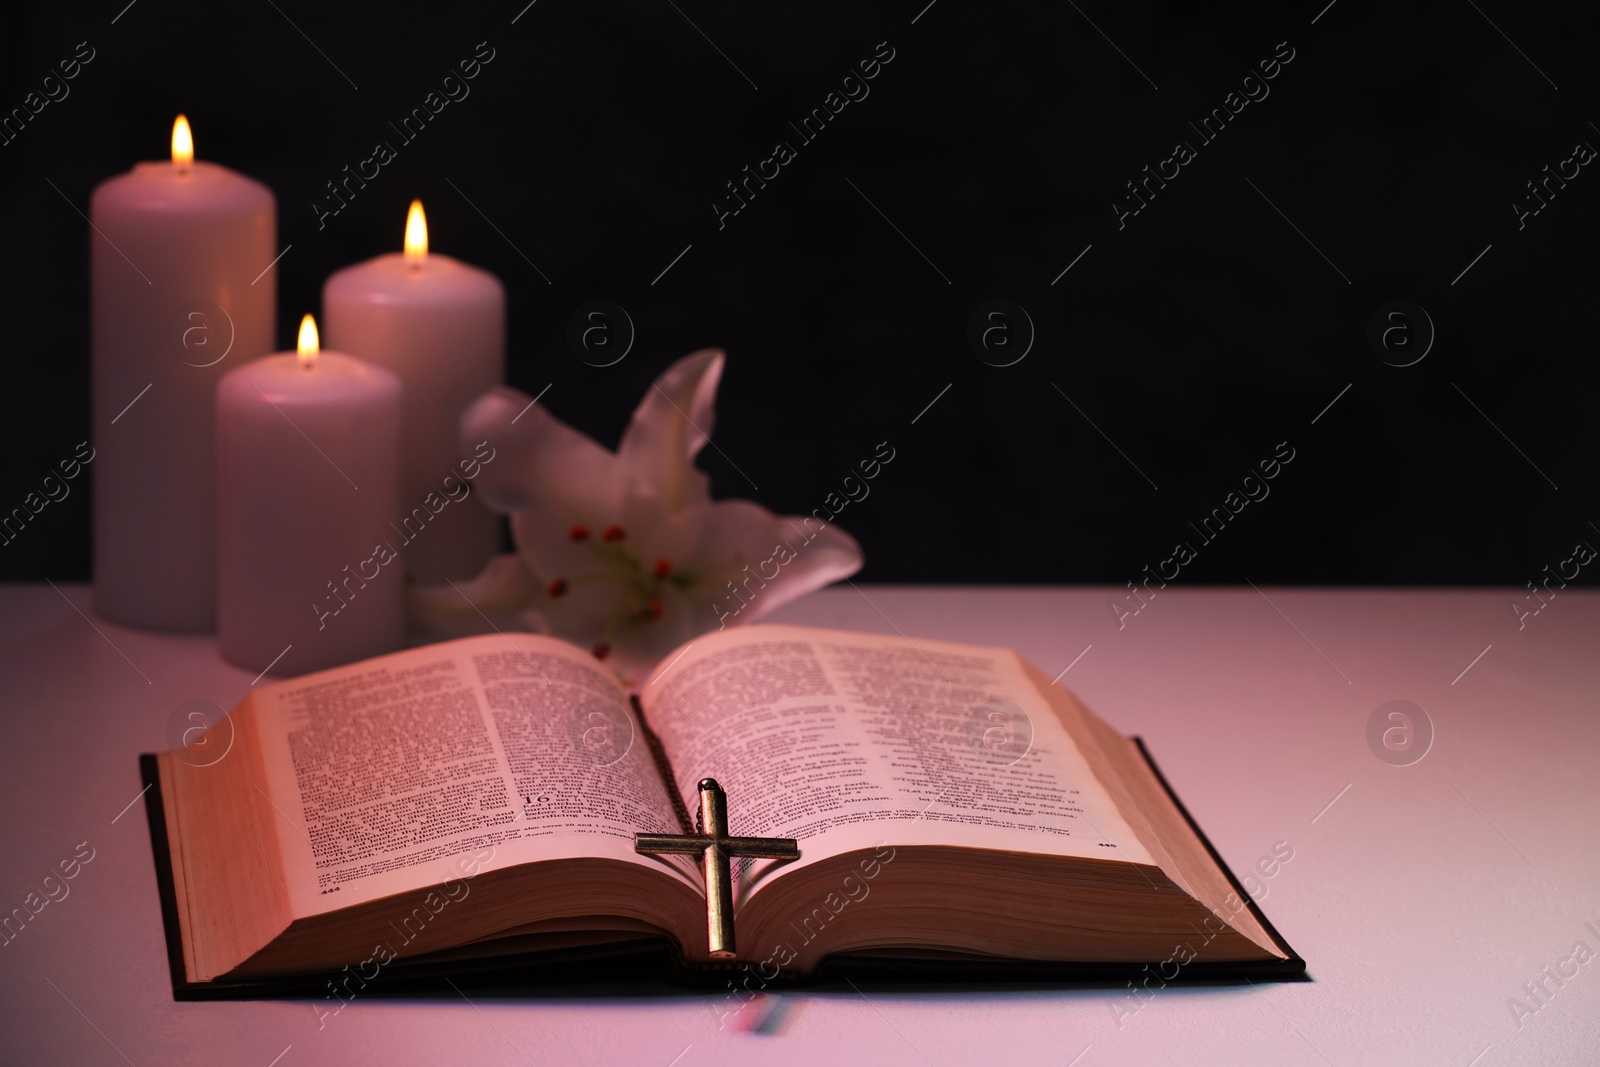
439,324
176,253
308,447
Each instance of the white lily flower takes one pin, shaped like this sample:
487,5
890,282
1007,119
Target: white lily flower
625,553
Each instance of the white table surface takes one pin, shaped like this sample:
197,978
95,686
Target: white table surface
1423,898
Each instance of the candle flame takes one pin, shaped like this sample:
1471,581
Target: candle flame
416,234
309,343
182,143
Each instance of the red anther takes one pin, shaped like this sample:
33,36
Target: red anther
612,533
663,568
652,609
557,588
601,651
578,533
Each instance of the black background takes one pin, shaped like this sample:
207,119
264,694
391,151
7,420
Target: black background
1196,338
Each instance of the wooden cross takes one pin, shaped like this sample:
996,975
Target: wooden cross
714,847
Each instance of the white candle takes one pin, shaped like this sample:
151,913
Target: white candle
439,324
174,250
308,447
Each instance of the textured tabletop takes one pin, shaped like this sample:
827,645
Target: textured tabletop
1430,897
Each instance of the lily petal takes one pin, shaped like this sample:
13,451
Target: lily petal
601,593
670,426
754,562
498,599
538,457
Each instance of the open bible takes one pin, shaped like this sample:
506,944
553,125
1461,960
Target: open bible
474,803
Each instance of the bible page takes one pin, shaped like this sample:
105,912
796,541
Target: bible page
846,740
510,749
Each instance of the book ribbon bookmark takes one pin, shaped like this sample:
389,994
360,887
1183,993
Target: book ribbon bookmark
715,848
